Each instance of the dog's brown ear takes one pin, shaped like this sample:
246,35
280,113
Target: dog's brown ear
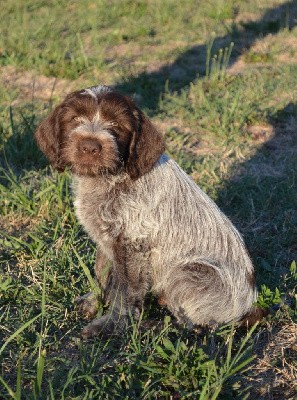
146,147
49,136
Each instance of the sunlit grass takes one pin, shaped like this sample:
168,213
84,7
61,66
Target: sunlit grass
214,123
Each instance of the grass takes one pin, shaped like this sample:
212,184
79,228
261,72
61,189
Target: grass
233,129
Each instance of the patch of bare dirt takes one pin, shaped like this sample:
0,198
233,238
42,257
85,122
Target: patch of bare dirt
132,49
137,58
32,86
245,17
283,49
16,224
272,48
131,56
180,137
274,372
260,132
171,123
281,143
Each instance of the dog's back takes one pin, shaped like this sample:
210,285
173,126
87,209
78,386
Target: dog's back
199,261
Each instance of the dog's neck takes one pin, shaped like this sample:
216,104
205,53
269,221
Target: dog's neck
101,183
106,184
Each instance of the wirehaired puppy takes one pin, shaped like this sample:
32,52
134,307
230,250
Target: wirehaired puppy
147,216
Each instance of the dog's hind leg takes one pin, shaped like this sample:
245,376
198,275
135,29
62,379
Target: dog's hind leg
199,294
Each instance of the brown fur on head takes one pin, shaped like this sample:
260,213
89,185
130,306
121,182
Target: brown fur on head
98,130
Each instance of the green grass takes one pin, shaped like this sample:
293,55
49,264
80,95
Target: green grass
167,54
78,44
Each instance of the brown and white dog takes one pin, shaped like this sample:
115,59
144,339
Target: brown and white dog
161,232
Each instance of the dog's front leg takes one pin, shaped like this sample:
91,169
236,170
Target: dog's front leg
129,284
87,304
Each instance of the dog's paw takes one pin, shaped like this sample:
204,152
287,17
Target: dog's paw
87,305
103,326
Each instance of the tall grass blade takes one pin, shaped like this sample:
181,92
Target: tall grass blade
9,390
86,270
52,396
18,384
208,54
20,330
41,353
39,374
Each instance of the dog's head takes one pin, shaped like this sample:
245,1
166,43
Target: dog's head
97,131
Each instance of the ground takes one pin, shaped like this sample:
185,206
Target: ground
219,79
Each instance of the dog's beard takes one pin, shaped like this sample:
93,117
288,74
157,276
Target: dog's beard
94,170
107,162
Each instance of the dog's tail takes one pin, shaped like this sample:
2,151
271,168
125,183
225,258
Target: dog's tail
256,314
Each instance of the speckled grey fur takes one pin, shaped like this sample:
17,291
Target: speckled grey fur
183,247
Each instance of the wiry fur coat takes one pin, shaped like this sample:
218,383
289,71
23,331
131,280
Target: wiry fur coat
160,230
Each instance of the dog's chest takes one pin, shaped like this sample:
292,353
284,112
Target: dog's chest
108,212
97,211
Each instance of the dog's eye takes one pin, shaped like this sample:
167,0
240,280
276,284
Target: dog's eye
76,119
112,123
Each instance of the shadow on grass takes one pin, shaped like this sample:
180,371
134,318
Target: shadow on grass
20,152
192,63
262,199
20,149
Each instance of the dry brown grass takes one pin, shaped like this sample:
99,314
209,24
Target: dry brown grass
273,374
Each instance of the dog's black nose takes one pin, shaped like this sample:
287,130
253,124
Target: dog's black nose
90,146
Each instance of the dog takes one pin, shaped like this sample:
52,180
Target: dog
161,232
